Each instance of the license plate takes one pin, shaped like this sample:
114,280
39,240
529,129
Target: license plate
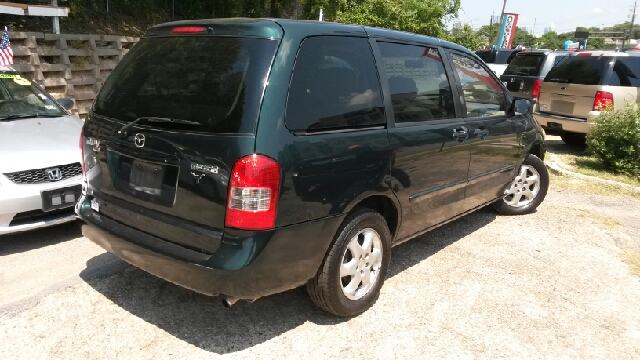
95,206
60,198
514,86
146,177
554,125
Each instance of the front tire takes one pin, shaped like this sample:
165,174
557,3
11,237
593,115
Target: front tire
527,191
349,280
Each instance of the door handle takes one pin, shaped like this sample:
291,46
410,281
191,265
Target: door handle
461,134
482,132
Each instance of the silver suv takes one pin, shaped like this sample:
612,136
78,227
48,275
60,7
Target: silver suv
581,85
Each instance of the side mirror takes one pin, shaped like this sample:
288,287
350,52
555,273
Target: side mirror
66,103
523,106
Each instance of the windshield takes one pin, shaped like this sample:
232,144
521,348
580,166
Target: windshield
584,70
525,65
216,82
20,97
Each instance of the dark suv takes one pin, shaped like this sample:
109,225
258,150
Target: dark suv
246,157
525,74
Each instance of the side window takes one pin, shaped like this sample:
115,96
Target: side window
483,94
418,83
626,72
334,86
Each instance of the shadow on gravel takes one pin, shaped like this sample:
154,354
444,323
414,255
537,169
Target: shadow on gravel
203,322
39,238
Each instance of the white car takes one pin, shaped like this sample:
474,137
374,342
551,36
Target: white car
40,171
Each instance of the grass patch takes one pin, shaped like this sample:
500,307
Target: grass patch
589,187
589,165
632,259
609,222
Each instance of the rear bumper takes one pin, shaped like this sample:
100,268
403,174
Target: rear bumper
564,123
289,258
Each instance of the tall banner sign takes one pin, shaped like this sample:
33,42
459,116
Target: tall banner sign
507,31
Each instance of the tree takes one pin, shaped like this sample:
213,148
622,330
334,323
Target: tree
523,37
466,37
425,17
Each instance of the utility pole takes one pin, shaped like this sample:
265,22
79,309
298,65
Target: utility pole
633,19
491,30
504,5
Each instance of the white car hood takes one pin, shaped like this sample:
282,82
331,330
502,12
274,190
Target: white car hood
38,143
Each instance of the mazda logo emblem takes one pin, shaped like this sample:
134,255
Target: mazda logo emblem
54,174
139,140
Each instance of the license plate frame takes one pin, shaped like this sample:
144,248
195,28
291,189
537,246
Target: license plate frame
146,177
515,86
61,198
554,125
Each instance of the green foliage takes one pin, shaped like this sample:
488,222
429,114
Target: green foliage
425,17
615,140
465,37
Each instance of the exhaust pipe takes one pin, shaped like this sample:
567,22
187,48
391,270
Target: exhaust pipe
228,301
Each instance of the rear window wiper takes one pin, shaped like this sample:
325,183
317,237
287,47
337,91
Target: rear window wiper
26,116
157,120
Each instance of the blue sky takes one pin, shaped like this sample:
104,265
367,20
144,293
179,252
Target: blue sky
565,15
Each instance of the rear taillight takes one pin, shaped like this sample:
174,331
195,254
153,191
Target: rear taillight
602,100
81,144
535,92
253,193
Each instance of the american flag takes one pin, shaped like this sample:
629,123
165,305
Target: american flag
6,54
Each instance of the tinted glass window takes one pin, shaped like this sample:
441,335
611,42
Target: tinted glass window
525,65
488,56
334,86
511,56
626,72
418,84
483,94
584,70
19,96
215,81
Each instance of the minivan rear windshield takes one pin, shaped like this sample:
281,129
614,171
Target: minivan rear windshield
583,70
525,65
216,82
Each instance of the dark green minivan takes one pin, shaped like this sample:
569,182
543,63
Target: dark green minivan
246,157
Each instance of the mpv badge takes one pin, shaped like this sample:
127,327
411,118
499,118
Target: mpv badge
54,174
139,140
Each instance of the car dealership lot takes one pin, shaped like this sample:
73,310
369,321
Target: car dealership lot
552,283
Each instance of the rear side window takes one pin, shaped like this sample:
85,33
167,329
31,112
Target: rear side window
626,72
418,83
583,70
214,81
525,65
334,86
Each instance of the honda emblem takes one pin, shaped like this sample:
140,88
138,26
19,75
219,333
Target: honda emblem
54,174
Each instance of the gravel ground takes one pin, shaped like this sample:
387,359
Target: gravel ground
549,284
36,263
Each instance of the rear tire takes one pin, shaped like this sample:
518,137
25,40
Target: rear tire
574,139
349,280
527,191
